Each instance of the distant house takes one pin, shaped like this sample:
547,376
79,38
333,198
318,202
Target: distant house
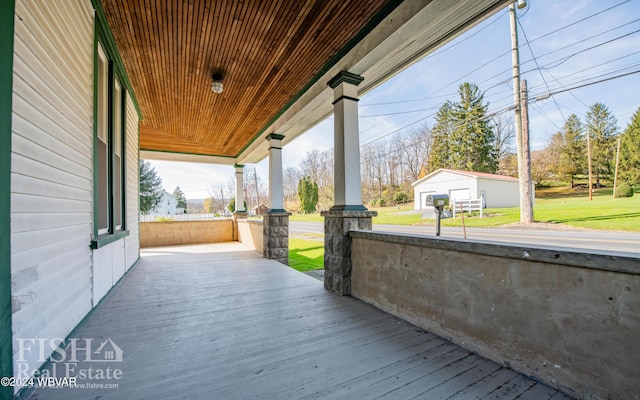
261,210
495,190
168,205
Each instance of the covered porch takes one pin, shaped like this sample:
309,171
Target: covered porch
222,321
219,321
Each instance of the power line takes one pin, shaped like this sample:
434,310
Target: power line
506,109
586,79
537,108
398,113
580,20
557,30
533,59
589,84
404,101
601,64
539,70
566,58
539,67
486,117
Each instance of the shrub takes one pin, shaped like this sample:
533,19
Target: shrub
381,202
400,197
624,190
164,219
232,206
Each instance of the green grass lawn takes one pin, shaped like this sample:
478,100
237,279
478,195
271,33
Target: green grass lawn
603,212
306,255
568,207
560,205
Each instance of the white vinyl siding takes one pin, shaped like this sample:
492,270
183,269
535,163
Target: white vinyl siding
56,278
51,168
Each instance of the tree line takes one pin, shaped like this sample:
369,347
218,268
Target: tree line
464,137
566,156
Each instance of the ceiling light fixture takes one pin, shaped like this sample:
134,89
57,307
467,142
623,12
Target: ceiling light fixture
522,4
216,83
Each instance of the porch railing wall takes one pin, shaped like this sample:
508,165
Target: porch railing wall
570,319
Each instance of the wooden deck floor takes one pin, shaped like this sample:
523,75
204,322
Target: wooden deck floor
220,322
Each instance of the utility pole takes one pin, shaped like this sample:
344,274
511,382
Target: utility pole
526,154
615,176
524,174
589,164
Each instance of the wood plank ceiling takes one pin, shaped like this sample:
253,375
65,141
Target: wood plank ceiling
266,51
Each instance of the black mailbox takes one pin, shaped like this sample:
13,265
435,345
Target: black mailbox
437,200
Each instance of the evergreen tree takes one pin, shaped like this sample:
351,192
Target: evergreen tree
472,143
463,137
308,194
180,197
602,126
439,155
150,187
573,152
629,168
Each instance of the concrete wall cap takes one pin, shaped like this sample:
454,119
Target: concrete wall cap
628,263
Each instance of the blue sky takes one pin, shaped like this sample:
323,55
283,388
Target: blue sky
574,42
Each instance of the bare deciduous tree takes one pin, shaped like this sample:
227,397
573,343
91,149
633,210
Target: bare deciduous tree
505,135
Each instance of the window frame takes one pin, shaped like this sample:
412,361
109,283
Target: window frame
115,189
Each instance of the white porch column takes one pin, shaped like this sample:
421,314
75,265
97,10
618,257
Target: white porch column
348,213
276,191
239,189
275,223
347,142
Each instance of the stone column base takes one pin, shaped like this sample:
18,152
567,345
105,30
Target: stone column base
275,236
337,246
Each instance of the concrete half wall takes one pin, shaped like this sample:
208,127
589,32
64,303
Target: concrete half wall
250,233
569,319
173,233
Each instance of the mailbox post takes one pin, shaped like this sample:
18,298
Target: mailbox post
437,201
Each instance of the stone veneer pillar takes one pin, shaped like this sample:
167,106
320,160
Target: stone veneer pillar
337,246
275,236
348,213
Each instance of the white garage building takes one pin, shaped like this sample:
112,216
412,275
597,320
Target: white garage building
496,190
